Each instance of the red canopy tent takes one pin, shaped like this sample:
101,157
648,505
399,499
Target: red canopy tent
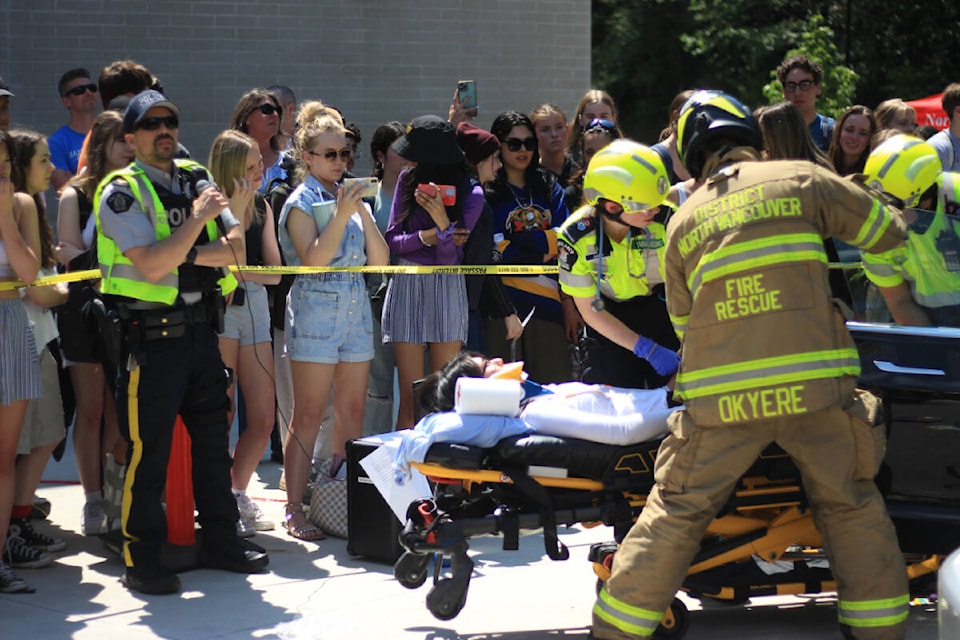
930,111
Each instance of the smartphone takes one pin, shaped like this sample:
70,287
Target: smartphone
370,186
448,192
467,96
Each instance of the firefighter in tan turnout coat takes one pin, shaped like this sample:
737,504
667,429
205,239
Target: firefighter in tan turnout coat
766,357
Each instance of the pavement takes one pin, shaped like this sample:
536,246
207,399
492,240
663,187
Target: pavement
317,591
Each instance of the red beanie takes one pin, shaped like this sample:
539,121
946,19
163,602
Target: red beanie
476,144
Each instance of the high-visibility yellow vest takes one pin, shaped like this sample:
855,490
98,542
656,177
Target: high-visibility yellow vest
119,275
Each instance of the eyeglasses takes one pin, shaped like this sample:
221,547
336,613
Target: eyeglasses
152,124
600,123
514,144
331,156
82,89
803,85
268,109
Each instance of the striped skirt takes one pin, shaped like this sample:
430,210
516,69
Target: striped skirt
424,308
19,362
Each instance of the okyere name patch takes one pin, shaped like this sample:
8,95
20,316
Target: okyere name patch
761,404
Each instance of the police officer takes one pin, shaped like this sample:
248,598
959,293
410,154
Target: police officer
920,281
164,235
766,357
611,264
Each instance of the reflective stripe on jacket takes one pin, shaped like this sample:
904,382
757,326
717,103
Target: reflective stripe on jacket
748,289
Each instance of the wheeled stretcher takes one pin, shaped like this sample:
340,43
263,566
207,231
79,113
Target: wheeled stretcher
763,542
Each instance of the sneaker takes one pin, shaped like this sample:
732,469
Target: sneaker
19,555
93,521
40,508
245,529
23,528
251,514
155,581
11,582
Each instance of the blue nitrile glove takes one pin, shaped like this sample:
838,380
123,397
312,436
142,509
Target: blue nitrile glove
664,361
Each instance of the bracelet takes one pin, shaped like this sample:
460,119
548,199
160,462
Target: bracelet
422,241
445,234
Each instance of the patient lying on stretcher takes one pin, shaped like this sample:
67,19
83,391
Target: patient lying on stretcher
478,414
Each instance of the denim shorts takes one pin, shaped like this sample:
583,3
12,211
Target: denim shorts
250,322
329,319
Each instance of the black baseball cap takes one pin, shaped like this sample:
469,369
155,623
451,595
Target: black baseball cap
143,102
5,89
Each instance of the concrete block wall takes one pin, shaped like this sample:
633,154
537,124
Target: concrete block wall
376,60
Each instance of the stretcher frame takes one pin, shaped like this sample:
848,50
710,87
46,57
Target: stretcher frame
765,517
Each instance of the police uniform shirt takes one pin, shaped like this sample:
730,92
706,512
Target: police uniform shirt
627,272
123,220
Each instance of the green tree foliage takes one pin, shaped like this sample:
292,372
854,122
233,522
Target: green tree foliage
645,51
839,82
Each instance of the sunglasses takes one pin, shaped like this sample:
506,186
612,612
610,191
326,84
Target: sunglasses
599,123
331,156
514,144
268,109
82,89
152,124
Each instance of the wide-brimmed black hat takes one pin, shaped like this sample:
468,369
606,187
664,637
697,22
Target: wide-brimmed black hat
429,139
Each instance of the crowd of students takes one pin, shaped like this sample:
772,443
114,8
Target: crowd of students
320,350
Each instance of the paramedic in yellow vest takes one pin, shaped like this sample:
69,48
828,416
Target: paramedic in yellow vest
919,282
611,264
765,358
165,235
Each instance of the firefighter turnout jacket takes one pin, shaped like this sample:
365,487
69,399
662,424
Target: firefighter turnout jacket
748,290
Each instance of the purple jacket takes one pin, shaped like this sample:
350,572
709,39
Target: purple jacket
402,236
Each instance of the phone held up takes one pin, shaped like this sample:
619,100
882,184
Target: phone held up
467,97
369,186
448,192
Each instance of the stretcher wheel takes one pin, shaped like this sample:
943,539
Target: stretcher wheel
411,569
447,598
670,629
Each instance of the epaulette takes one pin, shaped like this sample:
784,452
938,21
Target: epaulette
579,225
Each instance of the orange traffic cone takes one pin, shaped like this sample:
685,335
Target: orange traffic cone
180,527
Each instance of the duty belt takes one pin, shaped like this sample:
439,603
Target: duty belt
156,324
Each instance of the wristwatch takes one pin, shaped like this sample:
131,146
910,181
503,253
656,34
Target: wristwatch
191,255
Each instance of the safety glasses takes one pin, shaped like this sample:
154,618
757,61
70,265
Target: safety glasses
601,124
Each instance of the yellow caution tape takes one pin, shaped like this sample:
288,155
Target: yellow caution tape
465,269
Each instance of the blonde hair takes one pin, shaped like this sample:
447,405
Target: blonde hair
890,110
590,97
107,128
228,162
313,120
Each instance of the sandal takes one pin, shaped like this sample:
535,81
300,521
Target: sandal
298,526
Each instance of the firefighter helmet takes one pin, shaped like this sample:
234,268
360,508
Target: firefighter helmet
707,116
